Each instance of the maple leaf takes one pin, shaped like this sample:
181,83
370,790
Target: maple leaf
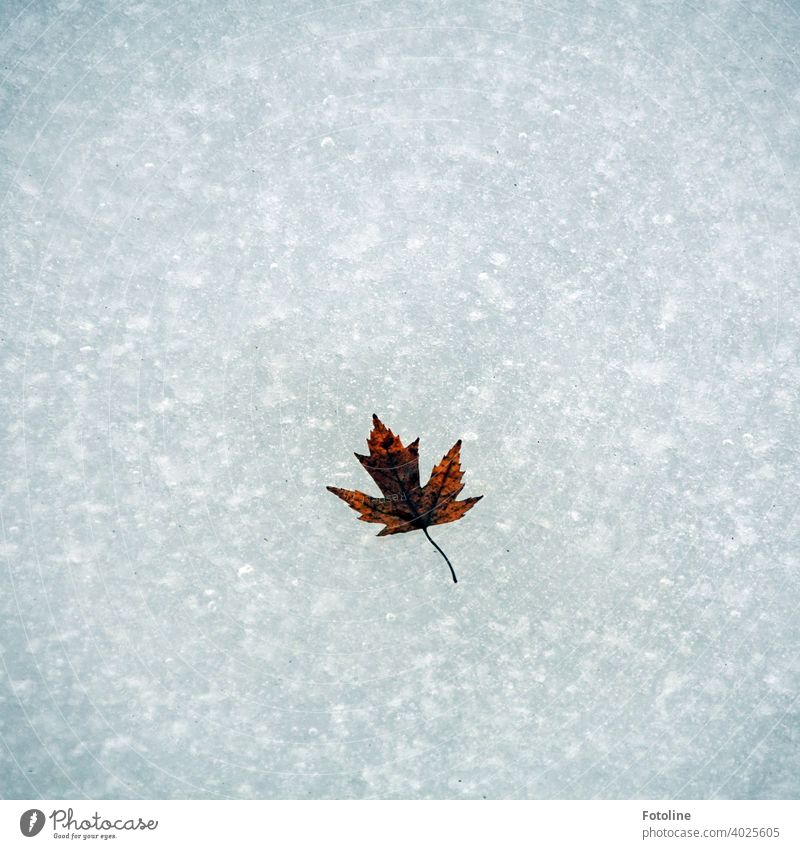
407,506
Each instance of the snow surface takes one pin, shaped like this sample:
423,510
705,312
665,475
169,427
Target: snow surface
564,231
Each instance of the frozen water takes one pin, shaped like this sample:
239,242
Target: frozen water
566,232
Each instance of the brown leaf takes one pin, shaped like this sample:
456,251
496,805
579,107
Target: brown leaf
407,506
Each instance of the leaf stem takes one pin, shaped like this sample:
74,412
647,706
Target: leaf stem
452,572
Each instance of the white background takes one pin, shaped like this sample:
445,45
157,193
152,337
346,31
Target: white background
517,825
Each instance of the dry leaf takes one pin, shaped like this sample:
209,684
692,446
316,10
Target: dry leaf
407,506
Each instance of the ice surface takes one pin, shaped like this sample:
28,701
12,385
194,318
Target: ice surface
566,232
